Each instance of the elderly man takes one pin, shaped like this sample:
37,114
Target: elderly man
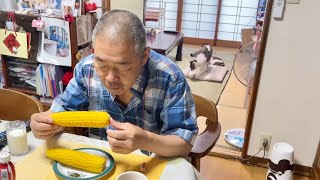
145,93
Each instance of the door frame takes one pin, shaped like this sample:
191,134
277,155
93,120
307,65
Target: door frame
256,83
316,165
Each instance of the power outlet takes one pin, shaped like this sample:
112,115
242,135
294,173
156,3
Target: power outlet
265,138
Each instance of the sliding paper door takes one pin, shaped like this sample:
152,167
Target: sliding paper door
199,20
236,15
216,22
167,21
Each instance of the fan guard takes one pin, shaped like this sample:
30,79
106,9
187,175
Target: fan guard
244,64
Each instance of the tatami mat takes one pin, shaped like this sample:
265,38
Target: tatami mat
234,94
207,89
231,105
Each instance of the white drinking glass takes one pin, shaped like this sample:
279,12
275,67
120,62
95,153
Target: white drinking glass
132,175
17,138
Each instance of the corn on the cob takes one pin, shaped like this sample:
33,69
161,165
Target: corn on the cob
94,119
78,159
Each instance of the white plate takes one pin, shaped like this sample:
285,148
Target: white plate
70,173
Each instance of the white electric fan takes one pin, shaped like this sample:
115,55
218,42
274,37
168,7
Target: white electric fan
244,67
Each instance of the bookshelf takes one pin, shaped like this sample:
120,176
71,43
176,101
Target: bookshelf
14,79
11,79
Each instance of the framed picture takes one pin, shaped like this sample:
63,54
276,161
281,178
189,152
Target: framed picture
84,29
24,5
55,45
58,6
38,4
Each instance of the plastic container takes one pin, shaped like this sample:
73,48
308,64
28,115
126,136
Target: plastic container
281,162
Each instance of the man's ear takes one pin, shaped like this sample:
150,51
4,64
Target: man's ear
146,55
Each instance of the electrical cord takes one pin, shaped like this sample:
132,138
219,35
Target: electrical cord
246,160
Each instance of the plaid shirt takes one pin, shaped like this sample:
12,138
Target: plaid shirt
162,101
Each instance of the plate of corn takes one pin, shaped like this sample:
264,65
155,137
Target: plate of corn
80,164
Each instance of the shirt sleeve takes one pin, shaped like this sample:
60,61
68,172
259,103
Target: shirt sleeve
75,97
178,114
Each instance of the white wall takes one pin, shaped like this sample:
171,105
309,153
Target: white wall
288,102
135,6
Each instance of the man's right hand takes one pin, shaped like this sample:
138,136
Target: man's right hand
42,125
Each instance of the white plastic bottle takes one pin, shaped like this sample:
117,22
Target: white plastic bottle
7,171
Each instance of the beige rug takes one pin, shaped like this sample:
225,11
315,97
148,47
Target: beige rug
210,90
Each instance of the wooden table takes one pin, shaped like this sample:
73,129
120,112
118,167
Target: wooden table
165,41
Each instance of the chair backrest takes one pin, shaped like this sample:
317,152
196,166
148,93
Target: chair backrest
17,106
155,11
207,139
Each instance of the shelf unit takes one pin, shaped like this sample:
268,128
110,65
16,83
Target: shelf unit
11,81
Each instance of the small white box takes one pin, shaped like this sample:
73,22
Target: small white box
293,1
278,7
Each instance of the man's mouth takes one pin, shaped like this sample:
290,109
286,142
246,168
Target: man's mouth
113,86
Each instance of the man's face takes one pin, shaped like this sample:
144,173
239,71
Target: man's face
117,65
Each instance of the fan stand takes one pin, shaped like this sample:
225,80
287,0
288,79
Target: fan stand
235,137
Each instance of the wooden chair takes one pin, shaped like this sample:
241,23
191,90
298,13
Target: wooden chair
17,106
156,13
207,139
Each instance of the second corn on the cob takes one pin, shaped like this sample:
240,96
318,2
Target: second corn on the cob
78,159
94,119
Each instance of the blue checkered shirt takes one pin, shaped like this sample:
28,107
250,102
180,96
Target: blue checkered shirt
162,101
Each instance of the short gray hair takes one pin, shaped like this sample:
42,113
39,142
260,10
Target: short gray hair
121,26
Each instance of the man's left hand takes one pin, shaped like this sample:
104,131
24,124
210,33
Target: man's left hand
126,138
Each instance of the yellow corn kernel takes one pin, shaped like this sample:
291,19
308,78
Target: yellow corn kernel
93,119
78,159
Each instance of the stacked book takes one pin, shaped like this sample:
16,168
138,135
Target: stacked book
49,80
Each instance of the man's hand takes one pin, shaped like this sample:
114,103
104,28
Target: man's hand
42,126
126,138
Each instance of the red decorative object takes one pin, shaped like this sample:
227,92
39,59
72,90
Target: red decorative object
68,18
11,42
67,77
89,7
68,14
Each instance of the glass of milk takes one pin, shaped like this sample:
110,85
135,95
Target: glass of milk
17,137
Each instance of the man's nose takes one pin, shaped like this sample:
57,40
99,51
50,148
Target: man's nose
112,75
